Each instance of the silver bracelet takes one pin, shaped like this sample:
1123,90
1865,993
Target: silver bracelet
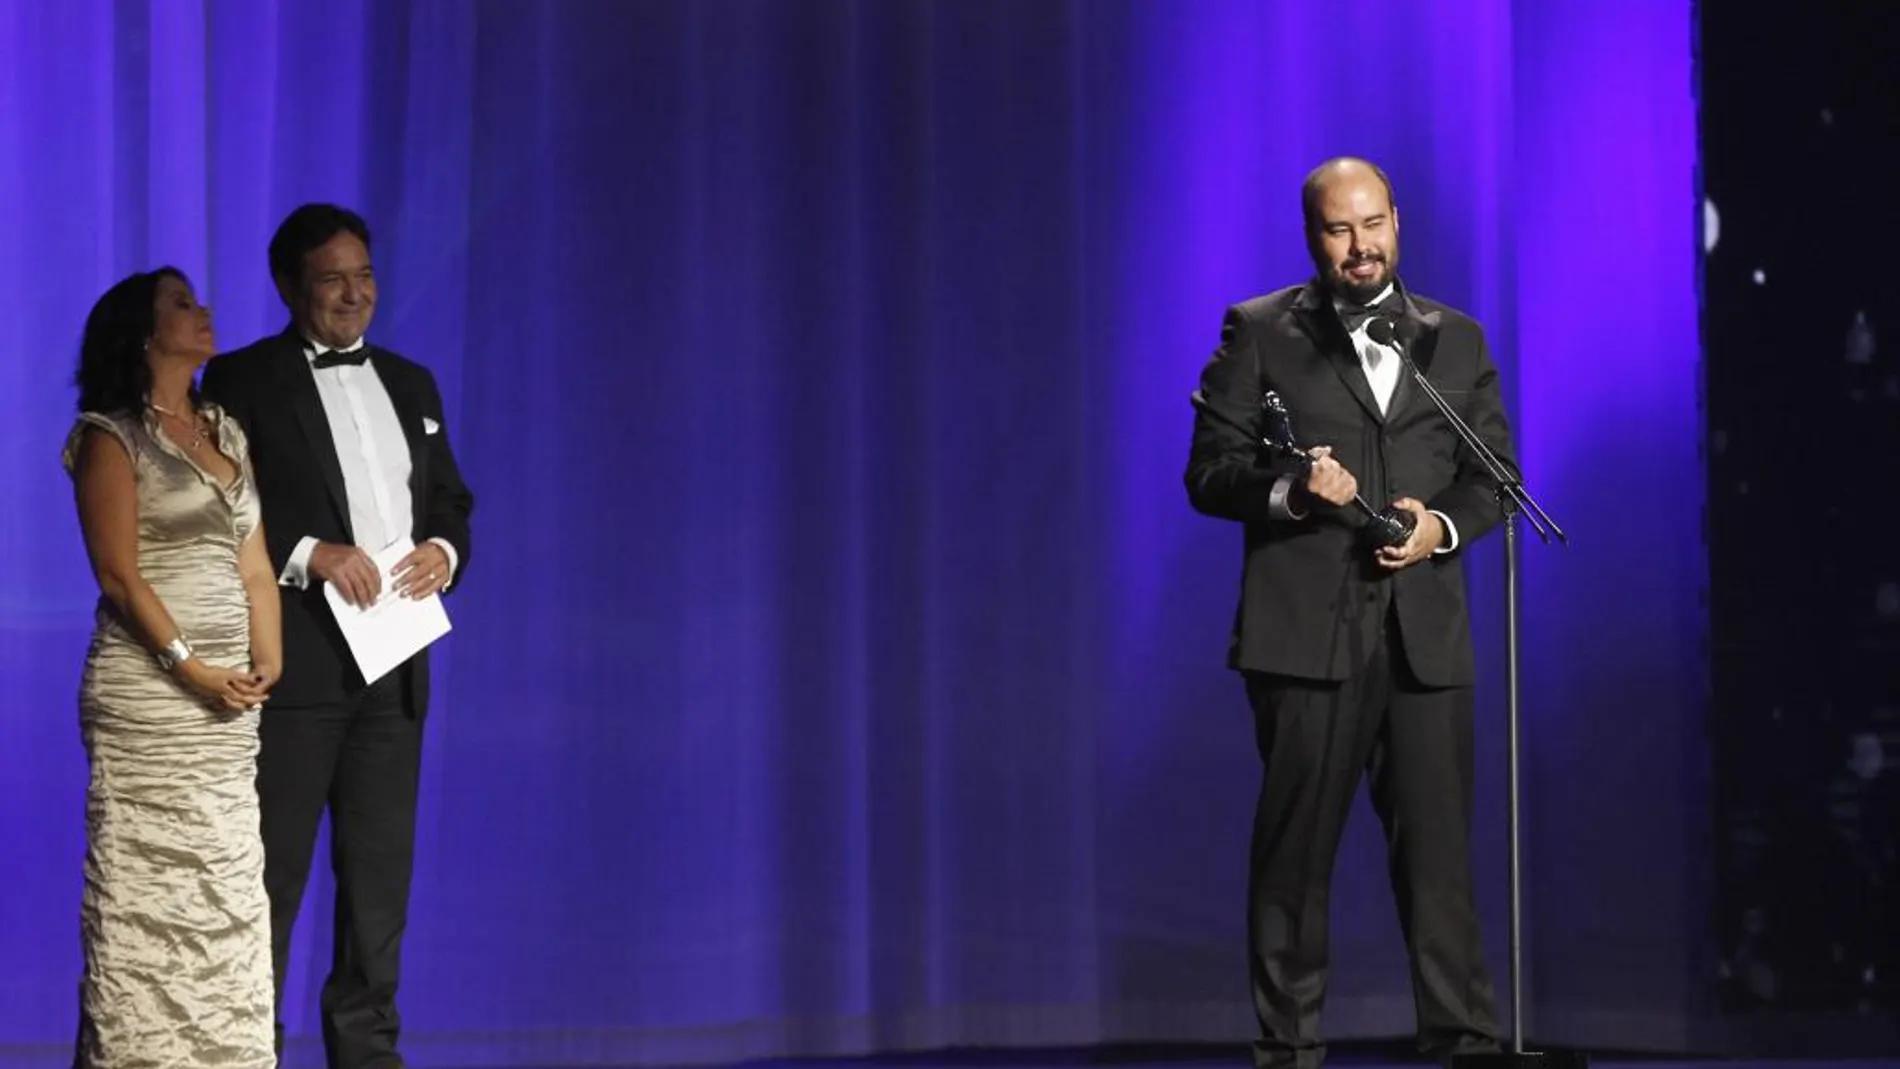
174,654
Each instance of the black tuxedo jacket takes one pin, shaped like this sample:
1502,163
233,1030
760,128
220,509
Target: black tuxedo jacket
1312,601
268,387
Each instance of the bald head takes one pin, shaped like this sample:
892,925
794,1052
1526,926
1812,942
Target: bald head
1352,227
1339,170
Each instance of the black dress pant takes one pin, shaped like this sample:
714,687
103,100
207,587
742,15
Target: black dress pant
361,760
1315,738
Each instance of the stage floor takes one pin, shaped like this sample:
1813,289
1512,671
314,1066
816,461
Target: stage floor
1345,1055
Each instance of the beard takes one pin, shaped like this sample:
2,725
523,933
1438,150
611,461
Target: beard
1356,291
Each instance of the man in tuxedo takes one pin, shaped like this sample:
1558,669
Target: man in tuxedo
351,453
1354,656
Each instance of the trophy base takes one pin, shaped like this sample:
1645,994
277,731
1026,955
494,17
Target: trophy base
1392,527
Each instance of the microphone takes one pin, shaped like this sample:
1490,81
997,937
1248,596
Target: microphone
1397,333
1390,527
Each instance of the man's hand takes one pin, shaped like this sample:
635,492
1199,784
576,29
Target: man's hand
423,572
1329,481
350,570
1426,538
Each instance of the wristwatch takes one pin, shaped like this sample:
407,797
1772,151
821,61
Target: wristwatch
174,654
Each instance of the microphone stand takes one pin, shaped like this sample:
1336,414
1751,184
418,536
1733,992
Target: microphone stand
1514,501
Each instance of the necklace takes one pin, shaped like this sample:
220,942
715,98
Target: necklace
197,424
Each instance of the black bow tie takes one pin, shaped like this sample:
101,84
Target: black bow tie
1353,316
355,357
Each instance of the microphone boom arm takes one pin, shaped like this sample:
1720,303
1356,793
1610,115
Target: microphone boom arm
1510,485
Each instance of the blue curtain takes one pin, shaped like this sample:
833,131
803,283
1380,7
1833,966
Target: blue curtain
841,667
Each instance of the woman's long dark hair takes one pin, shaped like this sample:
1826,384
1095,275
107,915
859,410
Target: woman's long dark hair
113,375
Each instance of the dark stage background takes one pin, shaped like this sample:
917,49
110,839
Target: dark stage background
1801,134
840,667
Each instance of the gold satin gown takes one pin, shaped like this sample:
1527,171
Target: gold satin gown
174,919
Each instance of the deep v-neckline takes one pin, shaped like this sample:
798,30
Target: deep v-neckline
217,446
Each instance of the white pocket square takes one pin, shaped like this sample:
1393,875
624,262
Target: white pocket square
430,426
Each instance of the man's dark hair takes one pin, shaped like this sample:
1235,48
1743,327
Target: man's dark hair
303,232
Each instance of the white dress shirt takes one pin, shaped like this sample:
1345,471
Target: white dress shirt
1381,363
374,456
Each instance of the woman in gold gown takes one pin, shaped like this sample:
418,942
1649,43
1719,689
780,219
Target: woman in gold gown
185,649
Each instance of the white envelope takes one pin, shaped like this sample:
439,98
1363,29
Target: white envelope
393,629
